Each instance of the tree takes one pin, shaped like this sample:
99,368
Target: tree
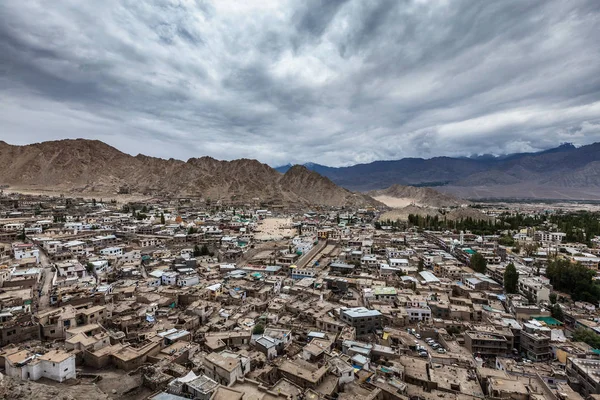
259,329
511,277
478,263
421,265
204,250
377,225
162,218
587,336
506,240
574,279
553,298
557,312
196,251
530,249
93,202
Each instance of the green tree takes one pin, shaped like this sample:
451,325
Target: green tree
506,240
557,312
258,329
587,336
553,298
204,250
478,263
421,265
574,279
511,277
530,249
22,235
196,251
93,202
162,218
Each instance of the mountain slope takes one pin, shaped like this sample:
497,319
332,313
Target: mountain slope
88,166
400,196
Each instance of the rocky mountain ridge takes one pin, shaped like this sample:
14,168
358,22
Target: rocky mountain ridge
91,166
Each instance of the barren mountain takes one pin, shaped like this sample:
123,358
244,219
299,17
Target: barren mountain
566,172
89,166
401,196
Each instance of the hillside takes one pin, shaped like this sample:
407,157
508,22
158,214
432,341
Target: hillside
88,166
401,196
565,172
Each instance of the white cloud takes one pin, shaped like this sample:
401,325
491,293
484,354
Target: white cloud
336,82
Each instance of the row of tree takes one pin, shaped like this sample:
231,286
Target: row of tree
573,279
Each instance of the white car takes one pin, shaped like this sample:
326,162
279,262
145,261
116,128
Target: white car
441,350
417,336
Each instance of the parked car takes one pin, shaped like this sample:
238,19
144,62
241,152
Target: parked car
423,354
417,336
441,350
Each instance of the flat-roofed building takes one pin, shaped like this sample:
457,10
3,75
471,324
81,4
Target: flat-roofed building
584,375
365,321
486,344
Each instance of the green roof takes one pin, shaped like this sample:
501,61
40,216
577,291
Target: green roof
548,321
469,251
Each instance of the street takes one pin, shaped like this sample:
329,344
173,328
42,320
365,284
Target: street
48,274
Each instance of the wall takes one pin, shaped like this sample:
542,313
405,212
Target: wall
59,371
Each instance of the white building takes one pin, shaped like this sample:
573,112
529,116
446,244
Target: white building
57,365
26,251
419,313
398,263
536,287
112,251
169,278
101,266
554,237
188,280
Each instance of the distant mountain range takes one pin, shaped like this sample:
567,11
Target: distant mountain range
564,172
92,167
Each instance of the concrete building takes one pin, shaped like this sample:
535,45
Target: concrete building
226,367
584,375
57,365
553,237
536,288
486,344
536,346
362,319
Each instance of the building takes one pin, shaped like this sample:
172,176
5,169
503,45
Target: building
536,288
365,321
486,344
584,375
536,346
226,367
57,365
112,252
554,237
22,251
419,313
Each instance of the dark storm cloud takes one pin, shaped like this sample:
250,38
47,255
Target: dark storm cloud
335,82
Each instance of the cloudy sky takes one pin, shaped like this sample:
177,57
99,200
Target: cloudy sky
333,82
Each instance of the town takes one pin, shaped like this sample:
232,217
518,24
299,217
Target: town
188,298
